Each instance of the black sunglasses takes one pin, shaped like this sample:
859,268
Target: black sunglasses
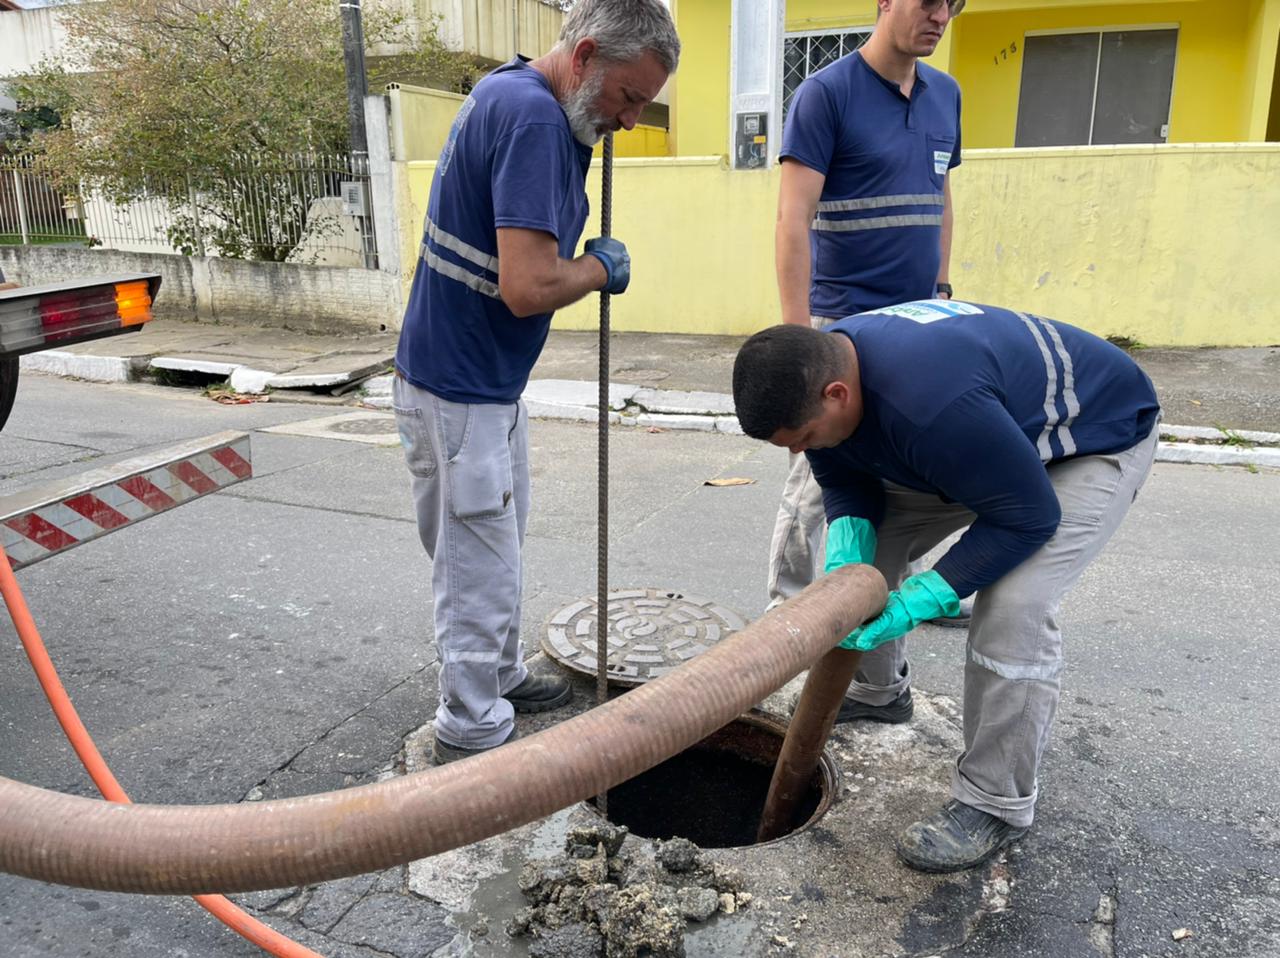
955,5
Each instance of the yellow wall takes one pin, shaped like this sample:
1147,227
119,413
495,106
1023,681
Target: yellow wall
641,141
804,15
1224,81
1108,238
1210,84
700,93
1119,241
420,121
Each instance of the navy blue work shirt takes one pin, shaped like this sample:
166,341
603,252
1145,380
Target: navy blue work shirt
511,160
971,403
877,238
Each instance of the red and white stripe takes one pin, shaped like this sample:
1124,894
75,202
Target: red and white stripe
74,514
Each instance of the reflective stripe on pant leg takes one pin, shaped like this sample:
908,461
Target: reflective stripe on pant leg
1012,675
477,598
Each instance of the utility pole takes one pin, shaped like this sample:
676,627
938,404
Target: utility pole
357,88
353,57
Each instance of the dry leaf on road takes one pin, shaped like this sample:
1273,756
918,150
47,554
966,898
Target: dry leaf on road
729,482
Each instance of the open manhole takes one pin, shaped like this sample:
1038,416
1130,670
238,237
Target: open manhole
651,632
713,794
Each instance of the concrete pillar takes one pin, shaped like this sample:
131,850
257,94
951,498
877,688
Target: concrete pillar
755,83
382,204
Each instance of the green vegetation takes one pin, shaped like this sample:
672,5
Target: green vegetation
186,99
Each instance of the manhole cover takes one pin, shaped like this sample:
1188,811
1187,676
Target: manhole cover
651,631
378,428
381,426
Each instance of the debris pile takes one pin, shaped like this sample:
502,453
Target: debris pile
597,901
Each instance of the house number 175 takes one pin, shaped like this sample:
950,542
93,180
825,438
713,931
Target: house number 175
1004,54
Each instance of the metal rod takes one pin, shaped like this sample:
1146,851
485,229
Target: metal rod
197,849
602,445
807,736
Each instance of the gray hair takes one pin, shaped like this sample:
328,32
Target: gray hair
624,30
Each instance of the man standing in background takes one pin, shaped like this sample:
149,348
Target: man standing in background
864,221
508,205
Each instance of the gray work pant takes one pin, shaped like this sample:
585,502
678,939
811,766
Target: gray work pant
469,468
1013,661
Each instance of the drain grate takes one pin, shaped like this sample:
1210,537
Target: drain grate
651,632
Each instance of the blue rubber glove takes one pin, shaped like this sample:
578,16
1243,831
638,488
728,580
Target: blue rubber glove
920,598
615,259
850,541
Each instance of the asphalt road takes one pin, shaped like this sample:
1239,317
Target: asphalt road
274,639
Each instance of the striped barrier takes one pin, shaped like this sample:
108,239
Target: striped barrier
43,521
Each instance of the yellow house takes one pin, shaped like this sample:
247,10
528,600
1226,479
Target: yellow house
1116,171
1033,72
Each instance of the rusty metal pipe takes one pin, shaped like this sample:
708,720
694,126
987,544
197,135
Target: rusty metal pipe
807,735
197,849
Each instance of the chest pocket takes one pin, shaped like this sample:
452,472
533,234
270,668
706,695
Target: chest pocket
938,157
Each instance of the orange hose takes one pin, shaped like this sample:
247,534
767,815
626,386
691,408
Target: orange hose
245,925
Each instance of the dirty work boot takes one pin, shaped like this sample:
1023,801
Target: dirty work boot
442,753
958,621
955,837
540,692
895,713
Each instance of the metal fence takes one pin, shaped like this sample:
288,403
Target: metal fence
308,208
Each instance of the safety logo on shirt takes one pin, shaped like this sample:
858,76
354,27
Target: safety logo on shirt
446,155
940,160
928,310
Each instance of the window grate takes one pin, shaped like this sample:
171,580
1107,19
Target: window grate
806,53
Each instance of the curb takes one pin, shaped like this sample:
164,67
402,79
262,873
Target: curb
98,369
575,401
244,378
569,400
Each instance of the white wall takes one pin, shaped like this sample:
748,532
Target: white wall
27,37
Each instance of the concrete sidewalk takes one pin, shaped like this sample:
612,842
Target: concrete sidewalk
1221,406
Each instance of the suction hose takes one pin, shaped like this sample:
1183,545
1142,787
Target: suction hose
165,850
239,921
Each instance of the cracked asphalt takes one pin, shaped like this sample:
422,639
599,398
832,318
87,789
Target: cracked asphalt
274,640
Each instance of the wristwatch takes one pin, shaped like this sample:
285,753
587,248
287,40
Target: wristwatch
945,288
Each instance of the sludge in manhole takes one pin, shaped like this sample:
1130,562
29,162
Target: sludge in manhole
714,793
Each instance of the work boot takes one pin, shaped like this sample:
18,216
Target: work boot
956,837
442,753
895,713
540,692
960,620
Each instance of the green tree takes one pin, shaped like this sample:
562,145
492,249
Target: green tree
184,98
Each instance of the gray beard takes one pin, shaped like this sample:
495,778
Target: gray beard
579,107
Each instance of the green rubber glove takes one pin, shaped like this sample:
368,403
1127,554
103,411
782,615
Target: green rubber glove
850,541
920,598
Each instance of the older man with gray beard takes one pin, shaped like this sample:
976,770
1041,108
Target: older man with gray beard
508,205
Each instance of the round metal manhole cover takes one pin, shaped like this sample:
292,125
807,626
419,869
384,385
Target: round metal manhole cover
372,426
651,631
